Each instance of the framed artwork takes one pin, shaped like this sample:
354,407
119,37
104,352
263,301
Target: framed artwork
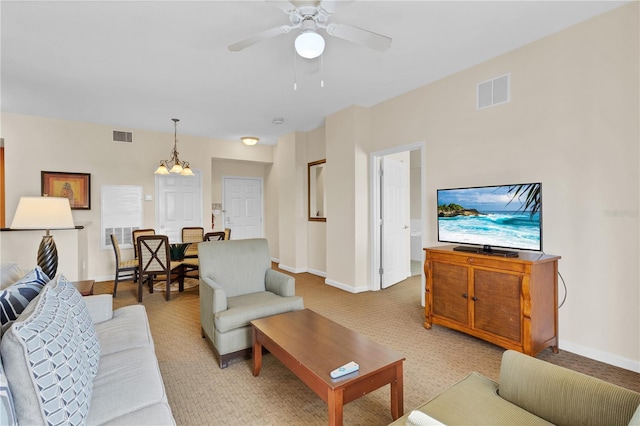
74,186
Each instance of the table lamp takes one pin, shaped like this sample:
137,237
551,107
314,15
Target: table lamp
44,213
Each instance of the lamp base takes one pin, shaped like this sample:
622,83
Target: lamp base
48,256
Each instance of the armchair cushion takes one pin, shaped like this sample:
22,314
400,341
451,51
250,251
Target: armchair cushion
246,308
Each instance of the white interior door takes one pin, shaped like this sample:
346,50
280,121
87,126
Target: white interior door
243,207
396,250
178,204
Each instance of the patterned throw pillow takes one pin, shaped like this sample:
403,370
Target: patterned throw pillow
70,296
7,412
44,353
15,298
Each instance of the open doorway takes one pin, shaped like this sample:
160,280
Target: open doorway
415,219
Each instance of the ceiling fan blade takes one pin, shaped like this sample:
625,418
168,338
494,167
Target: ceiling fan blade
360,36
286,6
273,32
331,6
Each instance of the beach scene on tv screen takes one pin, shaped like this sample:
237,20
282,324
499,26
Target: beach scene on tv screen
500,216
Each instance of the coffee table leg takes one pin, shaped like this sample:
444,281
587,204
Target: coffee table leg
257,353
397,394
335,401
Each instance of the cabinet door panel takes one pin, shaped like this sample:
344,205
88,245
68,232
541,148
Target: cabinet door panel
449,286
497,303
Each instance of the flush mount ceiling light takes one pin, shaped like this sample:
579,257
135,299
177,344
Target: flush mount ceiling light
309,44
174,165
249,140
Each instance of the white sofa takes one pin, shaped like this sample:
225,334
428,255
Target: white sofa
106,370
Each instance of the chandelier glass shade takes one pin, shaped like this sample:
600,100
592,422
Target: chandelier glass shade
309,44
173,164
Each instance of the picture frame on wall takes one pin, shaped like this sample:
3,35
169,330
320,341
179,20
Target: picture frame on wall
74,186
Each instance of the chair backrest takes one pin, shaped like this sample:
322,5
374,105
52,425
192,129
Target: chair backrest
214,236
227,233
116,249
154,255
238,266
134,237
192,234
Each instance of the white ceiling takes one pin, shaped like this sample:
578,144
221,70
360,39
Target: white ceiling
137,64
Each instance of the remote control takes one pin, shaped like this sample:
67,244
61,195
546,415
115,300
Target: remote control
345,369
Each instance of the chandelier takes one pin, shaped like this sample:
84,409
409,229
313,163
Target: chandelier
174,165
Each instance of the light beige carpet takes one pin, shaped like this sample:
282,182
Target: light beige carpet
200,393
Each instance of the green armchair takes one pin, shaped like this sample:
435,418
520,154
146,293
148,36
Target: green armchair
237,286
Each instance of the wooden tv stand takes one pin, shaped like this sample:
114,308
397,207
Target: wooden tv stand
509,301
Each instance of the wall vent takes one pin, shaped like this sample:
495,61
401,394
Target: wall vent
119,136
494,92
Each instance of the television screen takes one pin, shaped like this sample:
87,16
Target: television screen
508,216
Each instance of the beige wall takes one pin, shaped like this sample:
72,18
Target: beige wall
572,124
33,144
291,160
316,231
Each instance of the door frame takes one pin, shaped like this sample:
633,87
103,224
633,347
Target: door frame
374,208
224,208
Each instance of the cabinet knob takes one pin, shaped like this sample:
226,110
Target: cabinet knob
470,259
474,298
465,295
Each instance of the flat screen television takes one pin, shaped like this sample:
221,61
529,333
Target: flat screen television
505,216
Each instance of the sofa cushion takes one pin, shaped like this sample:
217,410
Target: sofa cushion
11,272
46,365
418,418
127,381
563,396
69,295
475,397
127,329
7,411
15,298
241,310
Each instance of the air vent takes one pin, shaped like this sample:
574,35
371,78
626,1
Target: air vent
119,136
494,92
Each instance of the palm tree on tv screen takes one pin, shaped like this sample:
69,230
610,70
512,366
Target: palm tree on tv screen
532,194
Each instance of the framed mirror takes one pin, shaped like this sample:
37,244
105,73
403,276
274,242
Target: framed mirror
317,196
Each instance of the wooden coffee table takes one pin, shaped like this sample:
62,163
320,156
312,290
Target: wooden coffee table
311,346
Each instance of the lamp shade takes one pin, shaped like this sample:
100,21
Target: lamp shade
43,213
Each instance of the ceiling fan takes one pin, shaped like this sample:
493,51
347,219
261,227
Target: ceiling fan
309,17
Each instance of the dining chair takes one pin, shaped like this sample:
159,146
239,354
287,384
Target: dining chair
195,235
214,236
137,233
227,233
124,268
154,263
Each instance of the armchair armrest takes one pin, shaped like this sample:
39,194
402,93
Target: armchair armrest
212,295
100,307
279,283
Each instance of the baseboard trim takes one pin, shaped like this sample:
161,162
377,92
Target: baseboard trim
292,270
318,273
346,287
607,358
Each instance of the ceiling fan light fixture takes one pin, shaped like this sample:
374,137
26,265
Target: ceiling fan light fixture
309,44
249,140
